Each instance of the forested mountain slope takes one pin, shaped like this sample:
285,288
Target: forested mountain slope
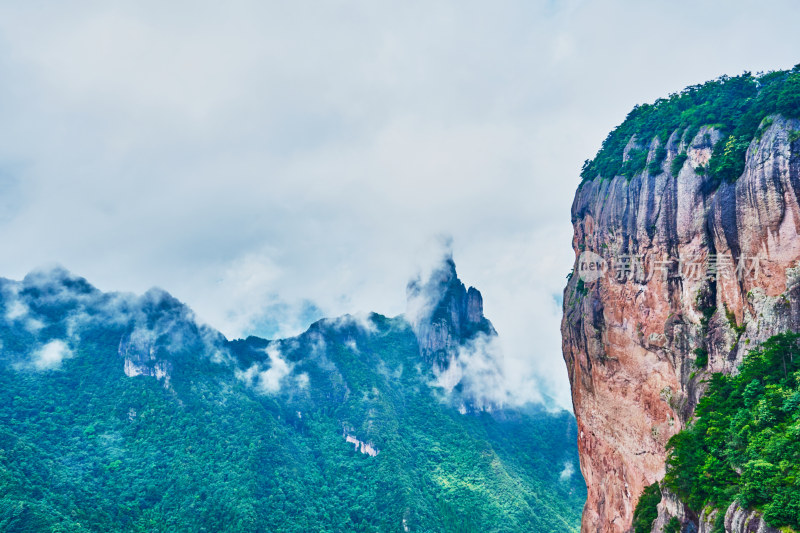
121,413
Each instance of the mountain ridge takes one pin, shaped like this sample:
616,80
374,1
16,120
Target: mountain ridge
139,419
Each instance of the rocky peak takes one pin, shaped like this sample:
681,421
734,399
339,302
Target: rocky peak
156,331
444,313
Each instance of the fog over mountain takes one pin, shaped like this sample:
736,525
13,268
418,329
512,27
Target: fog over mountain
271,164
119,412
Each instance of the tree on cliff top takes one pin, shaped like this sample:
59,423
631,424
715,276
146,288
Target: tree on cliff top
734,105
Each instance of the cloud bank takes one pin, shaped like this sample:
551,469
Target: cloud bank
271,164
269,378
49,356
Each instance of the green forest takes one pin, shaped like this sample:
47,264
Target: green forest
737,106
84,447
744,441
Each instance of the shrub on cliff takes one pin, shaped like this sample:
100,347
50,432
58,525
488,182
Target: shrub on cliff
788,103
727,159
673,526
646,509
744,442
734,105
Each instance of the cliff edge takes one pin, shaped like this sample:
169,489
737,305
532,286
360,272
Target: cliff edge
682,265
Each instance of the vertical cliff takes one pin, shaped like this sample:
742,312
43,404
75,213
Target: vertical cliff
445,314
674,266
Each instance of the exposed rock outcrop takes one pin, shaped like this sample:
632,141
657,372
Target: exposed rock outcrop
445,314
672,506
456,341
361,446
689,267
137,366
738,519
157,333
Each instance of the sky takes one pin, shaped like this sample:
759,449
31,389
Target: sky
270,163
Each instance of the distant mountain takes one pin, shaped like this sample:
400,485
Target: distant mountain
445,314
122,413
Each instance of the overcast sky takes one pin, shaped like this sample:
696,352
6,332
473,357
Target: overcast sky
272,162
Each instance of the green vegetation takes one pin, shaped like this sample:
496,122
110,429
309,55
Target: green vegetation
677,164
727,159
788,103
635,163
705,301
580,288
673,526
646,509
659,156
744,442
732,322
734,105
701,359
86,448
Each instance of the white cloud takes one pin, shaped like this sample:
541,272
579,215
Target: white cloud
362,321
51,355
34,325
16,310
269,380
486,379
249,375
351,343
270,164
302,380
567,471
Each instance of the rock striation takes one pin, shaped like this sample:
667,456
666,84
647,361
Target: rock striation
445,314
681,267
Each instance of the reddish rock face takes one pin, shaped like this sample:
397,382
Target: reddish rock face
690,267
